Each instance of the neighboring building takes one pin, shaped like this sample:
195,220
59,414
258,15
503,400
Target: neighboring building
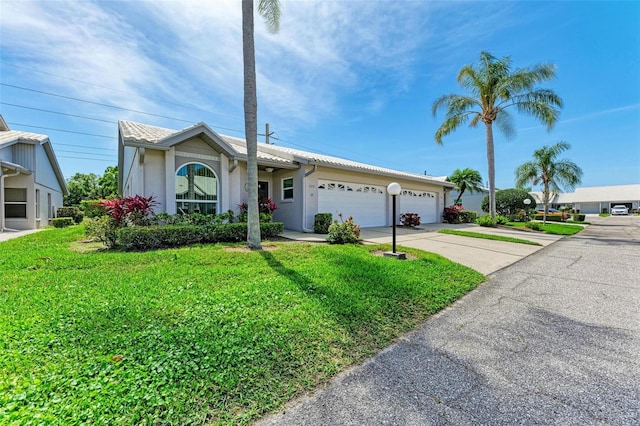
470,201
596,199
196,169
31,183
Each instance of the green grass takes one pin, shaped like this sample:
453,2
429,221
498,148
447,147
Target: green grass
552,228
199,334
604,214
487,236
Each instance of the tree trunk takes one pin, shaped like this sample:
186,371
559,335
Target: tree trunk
545,200
491,170
251,125
463,187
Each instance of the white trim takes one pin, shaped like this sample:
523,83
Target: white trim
282,197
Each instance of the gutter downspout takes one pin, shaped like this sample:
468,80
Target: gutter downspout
304,197
2,178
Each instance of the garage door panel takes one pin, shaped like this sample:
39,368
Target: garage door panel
365,203
423,203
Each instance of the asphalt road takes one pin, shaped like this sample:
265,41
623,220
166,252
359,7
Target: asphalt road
552,339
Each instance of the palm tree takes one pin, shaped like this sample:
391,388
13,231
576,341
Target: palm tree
546,169
493,87
466,179
270,11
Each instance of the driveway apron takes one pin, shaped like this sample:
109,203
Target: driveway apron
552,339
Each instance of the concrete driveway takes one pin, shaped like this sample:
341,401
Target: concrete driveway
552,339
484,256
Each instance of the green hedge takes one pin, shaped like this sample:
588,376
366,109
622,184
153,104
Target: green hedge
72,212
550,218
579,217
468,216
163,236
62,222
321,223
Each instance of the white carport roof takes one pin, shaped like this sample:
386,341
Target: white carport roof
595,194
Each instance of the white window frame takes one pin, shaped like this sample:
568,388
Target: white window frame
284,197
16,203
215,202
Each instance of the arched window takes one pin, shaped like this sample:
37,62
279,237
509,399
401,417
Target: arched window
196,189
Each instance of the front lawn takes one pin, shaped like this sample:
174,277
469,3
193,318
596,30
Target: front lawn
195,335
552,228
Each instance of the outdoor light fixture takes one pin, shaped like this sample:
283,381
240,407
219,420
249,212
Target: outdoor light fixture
268,169
394,189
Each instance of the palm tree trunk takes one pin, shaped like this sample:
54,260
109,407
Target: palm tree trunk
463,187
491,169
251,125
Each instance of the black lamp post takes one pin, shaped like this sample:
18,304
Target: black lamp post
394,189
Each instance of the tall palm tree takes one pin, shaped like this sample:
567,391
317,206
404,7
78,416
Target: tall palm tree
552,173
270,11
493,87
466,179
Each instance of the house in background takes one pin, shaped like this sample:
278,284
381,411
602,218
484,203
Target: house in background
31,182
470,201
596,199
199,170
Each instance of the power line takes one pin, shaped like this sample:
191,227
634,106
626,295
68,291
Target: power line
121,91
94,103
59,113
83,158
61,130
89,153
82,146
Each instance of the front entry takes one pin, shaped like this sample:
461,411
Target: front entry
263,190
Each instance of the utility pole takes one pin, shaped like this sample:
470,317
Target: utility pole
267,134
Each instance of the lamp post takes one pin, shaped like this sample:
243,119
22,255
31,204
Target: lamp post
394,189
526,209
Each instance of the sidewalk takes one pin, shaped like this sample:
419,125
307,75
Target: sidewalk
485,256
9,235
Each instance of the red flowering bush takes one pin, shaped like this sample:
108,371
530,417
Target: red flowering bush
266,208
129,210
452,214
410,219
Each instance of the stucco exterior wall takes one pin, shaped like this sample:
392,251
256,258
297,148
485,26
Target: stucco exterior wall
469,201
290,212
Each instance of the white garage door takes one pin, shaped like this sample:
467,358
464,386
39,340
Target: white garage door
422,202
366,203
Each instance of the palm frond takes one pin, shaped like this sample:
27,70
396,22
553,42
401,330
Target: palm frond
451,124
270,11
504,121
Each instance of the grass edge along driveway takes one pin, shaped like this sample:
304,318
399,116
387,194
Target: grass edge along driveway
487,236
197,335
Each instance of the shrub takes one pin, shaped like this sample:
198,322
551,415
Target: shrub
162,236
321,223
410,219
129,210
536,226
509,201
486,221
72,212
266,207
344,232
63,222
103,229
517,218
452,214
154,237
468,216
92,208
579,217
550,217
501,220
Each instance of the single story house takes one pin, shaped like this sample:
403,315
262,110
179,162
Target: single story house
596,199
197,169
31,183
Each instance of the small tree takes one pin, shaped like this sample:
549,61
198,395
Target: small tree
466,179
510,201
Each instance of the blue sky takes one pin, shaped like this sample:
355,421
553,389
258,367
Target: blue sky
355,79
